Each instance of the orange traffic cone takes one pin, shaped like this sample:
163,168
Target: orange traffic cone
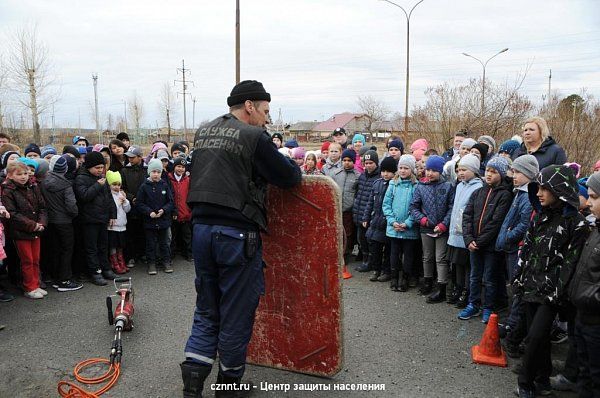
345,273
489,351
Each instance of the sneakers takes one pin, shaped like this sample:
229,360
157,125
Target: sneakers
524,393
364,268
375,276
511,350
109,274
68,286
151,269
469,312
558,336
561,383
5,297
384,277
44,293
98,280
168,268
486,315
131,263
34,294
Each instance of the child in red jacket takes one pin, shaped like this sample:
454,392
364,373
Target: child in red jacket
181,228
25,204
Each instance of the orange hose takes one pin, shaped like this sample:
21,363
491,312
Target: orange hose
67,389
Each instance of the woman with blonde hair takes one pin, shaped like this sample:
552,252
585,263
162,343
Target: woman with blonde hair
538,142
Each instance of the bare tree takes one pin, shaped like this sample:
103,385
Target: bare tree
166,104
31,76
373,110
136,111
3,80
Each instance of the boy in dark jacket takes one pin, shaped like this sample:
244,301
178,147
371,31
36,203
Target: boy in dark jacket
155,203
181,228
25,204
365,183
62,209
133,176
553,245
431,206
375,221
585,295
96,209
481,224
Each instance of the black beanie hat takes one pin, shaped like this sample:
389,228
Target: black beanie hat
177,147
32,148
72,150
248,90
122,136
93,159
4,159
179,161
389,164
372,156
483,150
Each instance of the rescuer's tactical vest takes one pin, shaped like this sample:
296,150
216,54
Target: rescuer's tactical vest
222,168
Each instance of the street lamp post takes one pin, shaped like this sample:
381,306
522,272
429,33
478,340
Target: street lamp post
408,15
484,64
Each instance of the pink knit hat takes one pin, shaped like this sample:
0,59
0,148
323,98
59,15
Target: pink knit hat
157,146
298,153
419,147
597,166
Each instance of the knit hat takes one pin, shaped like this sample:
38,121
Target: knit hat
123,136
156,146
509,147
358,137
371,155
71,163
349,153
113,177
93,159
527,165
29,162
155,164
397,143
561,181
489,141
179,161
363,150
576,168
408,161
162,155
594,183
298,153
58,164
468,143
100,148
32,148
177,147
47,150
435,163
483,150
583,191
339,131
5,157
389,164
500,164
597,166
42,168
325,146
291,143
78,138
419,147
248,90
71,150
9,147
277,135
470,162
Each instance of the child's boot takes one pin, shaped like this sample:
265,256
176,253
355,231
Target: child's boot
121,260
394,280
463,299
403,283
375,276
454,295
114,264
427,286
438,296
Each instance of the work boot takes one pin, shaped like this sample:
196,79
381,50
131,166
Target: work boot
438,296
394,281
454,295
374,277
237,389
463,299
427,287
193,375
403,283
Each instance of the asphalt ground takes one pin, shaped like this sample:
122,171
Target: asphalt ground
392,339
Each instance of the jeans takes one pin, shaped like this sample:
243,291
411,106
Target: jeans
434,256
228,288
362,242
62,241
96,247
29,254
402,256
588,353
160,238
486,265
536,361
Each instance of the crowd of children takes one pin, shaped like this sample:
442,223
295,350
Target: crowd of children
501,229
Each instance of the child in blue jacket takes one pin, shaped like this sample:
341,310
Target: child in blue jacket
402,230
431,206
155,202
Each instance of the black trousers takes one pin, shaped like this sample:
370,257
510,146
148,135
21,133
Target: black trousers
136,239
160,238
181,238
402,253
96,247
588,350
79,261
62,241
379,256
362,242
537,362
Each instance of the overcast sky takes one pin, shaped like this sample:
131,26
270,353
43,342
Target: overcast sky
314,57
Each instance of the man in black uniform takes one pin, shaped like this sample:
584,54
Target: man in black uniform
233,161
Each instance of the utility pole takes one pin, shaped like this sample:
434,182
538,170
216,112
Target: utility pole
484,65
79,122
237,41
549,89
95,79
52,137
194,114
125,114
183,82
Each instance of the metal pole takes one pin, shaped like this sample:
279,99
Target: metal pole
194,114
483,92
484,64
95,79
237,41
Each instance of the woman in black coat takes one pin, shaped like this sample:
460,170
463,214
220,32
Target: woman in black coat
537,142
